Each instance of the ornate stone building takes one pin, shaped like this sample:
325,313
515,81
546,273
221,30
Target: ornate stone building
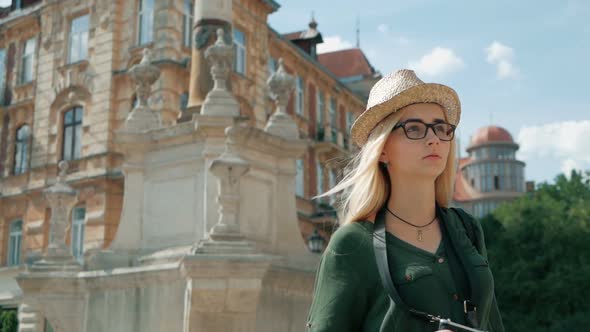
67,88
491,174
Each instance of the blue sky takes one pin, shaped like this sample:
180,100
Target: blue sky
522,65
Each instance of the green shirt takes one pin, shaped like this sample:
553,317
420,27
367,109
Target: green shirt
349,296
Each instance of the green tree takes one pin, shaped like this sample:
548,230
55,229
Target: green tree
539,246
8,320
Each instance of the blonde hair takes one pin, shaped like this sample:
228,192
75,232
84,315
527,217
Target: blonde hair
365,183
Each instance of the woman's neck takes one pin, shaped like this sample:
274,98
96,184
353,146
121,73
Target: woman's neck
412,199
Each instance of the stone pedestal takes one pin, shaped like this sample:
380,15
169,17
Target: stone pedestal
219,101
280,123
225,237
144,74
61,198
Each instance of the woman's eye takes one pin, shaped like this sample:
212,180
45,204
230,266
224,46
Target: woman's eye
413,128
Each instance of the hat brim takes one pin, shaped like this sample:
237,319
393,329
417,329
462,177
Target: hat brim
423,93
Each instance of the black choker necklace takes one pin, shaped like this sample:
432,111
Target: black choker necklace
409,223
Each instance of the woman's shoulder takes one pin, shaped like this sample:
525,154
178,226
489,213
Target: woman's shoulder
467,217
353,237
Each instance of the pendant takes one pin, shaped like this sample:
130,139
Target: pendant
420,235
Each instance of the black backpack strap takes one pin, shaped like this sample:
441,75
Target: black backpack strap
467,225
380,249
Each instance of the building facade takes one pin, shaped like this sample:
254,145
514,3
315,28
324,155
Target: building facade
490,174
65,92
65,89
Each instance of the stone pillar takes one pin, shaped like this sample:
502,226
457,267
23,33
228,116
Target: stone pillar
280,123
225,236
61,198
144,74
209,16
165,99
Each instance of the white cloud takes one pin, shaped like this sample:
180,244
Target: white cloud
333,43
502,56
570,164
439,61
383,28
564,141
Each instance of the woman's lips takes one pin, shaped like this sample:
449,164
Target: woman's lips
432,157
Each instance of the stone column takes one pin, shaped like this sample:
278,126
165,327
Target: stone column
280,123
61,198
209,16
144,74
225,236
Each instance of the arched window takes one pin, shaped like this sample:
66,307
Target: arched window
21,152
72,134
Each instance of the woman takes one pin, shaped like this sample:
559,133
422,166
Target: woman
402,178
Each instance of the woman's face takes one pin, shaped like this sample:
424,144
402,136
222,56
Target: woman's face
408,157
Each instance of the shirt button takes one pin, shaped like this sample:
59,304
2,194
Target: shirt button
455,297
441,260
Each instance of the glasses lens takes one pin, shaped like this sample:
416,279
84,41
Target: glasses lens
444,131
415,129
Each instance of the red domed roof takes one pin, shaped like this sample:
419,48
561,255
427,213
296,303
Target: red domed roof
491,134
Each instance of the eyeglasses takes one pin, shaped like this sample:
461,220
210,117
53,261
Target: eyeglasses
416,129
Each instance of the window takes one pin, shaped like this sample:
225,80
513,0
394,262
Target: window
134,102
2,75
299,95
320,109
26,74
496,182
187,25
21,151
333,120
349,121
183,101
146,21
272,66
333,112
15,238
320,178
332,179
240,46
78,217
72,134
79,39
299,178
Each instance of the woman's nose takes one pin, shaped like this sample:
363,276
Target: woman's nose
431,137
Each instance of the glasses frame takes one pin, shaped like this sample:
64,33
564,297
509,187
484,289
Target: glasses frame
428,126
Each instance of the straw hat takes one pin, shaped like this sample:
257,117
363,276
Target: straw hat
397,90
